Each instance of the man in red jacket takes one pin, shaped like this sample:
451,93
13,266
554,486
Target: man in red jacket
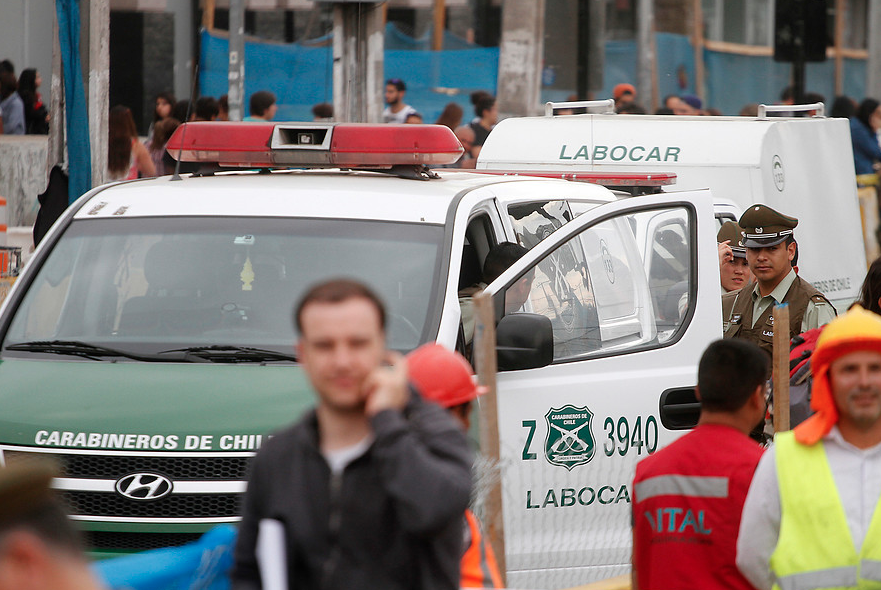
688,497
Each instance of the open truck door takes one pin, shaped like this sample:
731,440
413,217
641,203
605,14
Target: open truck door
600,329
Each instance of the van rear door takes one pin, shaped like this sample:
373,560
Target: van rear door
631,293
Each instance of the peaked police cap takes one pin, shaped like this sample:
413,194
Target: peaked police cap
732,232
763,226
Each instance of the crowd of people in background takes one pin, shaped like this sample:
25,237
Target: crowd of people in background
21,105
23,111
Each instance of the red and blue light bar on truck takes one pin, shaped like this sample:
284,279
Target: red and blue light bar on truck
314,145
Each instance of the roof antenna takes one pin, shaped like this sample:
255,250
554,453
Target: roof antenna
184,132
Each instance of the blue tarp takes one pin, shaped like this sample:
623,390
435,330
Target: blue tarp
301,74
732,80
79,159
203,564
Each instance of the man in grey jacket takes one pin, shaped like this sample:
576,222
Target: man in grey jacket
368,489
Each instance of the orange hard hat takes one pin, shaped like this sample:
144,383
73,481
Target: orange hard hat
442,376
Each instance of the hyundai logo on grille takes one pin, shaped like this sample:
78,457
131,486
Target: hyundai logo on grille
144,486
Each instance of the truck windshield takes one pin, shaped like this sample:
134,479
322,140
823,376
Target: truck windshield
149,285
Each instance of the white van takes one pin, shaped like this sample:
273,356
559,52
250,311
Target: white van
798,165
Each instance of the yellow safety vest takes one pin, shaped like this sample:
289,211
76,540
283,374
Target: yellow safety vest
815,549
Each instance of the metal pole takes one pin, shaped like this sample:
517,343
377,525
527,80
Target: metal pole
645,50
583,57
597,47
699,72
236,94
840,7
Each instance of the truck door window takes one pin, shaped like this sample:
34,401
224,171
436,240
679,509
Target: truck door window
533,222
667,259
621,284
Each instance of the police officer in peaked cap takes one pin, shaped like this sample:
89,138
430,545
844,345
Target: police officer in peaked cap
767,235
733,269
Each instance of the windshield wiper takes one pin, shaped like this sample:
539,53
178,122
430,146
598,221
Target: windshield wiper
221,353
82,349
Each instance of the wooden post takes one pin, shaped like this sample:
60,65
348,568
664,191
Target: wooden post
437,39
780,368
485,361
208,15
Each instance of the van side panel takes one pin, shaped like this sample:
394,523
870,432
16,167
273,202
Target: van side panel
802,167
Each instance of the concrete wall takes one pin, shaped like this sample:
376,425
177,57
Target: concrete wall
26,36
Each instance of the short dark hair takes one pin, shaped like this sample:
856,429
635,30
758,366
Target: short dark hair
260,101
181,110
397,83
338,291
323,110
8,84
501,257
475,96
865,110
729,372
207,108
485,103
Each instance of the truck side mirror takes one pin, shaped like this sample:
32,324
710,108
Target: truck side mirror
524,341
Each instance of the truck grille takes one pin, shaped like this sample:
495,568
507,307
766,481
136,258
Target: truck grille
171,506
113,466
120,541
207,490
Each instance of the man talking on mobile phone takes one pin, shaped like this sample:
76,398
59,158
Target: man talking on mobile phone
367,490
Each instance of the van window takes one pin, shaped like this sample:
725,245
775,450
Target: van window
619,285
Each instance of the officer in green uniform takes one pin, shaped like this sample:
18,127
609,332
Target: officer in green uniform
770,249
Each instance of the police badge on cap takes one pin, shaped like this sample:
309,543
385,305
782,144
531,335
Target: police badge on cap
762,227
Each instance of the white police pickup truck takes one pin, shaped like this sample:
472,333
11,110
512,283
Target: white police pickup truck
147,346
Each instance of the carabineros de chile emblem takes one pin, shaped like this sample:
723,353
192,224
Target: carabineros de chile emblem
569,441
